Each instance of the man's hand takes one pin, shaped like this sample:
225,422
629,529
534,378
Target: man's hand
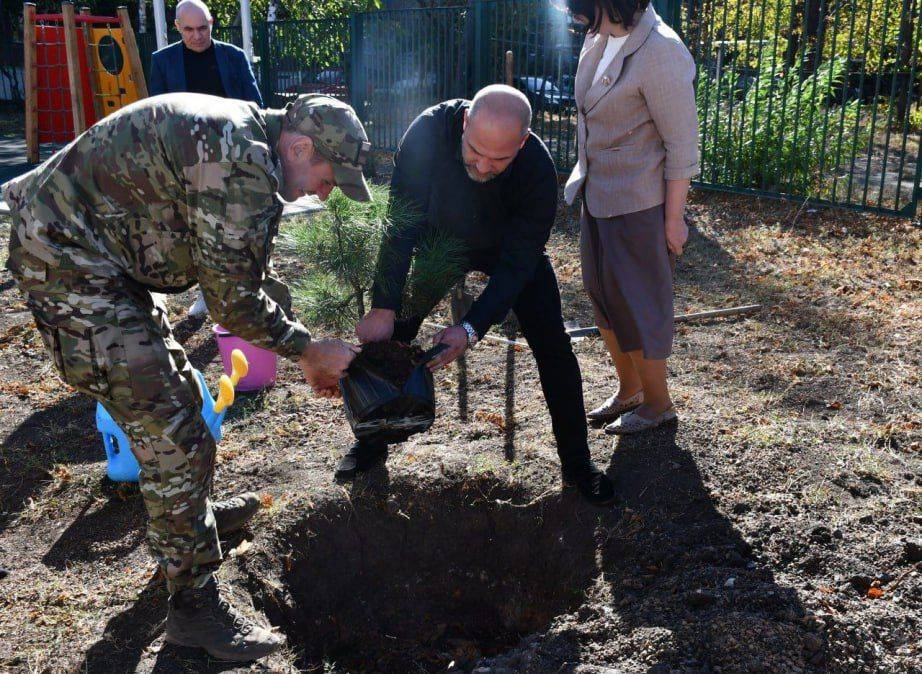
456,339
377,326
324,363
676,235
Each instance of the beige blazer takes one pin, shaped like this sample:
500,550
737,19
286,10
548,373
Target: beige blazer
637,126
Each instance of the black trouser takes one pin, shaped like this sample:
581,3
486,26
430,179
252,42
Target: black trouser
541,320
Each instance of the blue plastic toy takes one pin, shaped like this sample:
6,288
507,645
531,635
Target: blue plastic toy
122,466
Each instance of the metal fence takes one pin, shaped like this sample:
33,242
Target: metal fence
11,81
406,61
545,52
807,99
302,57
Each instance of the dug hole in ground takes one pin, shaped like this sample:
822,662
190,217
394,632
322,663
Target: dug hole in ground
774,529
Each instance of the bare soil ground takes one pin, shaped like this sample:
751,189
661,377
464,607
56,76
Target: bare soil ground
775,528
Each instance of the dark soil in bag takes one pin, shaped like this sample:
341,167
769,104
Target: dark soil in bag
394,361
389,394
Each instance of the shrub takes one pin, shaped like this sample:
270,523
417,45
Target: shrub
915,119
782,131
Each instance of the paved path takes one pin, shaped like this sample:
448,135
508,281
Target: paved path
13,161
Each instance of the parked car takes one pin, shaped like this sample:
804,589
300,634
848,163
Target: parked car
330,82
567,84
544,94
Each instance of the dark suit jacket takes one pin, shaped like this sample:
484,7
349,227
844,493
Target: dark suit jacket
168,74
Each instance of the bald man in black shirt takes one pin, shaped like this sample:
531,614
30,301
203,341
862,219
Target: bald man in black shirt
476,170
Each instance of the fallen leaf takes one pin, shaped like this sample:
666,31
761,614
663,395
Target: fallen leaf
494,418
875,593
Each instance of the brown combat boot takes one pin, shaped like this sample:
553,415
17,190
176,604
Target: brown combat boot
203,618
232,514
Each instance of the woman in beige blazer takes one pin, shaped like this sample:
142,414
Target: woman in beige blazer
637,138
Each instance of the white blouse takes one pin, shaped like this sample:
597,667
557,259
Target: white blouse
611,51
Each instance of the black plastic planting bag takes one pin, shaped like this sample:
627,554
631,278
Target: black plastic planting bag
379,409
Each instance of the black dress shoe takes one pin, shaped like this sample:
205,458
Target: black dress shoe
594,485
360,458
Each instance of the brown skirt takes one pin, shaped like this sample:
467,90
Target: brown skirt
627,273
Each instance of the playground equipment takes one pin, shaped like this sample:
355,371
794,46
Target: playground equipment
263,363
123,467
78,68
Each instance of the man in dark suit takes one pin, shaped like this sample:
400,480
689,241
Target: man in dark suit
199,64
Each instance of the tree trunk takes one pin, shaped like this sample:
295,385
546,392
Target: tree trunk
805,29
814,31
360,300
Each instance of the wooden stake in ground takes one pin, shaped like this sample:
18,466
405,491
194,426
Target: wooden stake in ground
509,67
73,67
30,80
134,58
459,307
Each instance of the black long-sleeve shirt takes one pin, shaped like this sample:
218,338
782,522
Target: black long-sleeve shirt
505,222
202,74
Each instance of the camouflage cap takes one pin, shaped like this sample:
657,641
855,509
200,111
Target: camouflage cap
338,136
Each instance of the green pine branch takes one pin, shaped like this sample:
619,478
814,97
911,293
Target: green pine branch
340,247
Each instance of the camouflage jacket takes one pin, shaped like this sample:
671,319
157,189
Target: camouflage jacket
169,191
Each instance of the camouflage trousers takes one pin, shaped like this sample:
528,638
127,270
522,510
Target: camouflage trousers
110,339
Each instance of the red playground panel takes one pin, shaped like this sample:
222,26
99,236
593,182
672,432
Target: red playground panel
55,118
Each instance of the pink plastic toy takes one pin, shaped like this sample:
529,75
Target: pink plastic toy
263,364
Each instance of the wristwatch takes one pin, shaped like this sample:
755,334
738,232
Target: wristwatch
472,337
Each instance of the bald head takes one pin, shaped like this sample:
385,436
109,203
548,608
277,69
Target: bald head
499,104
196,7
495,129
193,21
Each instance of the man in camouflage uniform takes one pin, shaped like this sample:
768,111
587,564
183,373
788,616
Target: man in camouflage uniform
166,193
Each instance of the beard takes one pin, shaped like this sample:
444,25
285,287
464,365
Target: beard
477,177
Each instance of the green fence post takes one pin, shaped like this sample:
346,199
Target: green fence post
480,47
264,29
917,187
356,65
670,11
